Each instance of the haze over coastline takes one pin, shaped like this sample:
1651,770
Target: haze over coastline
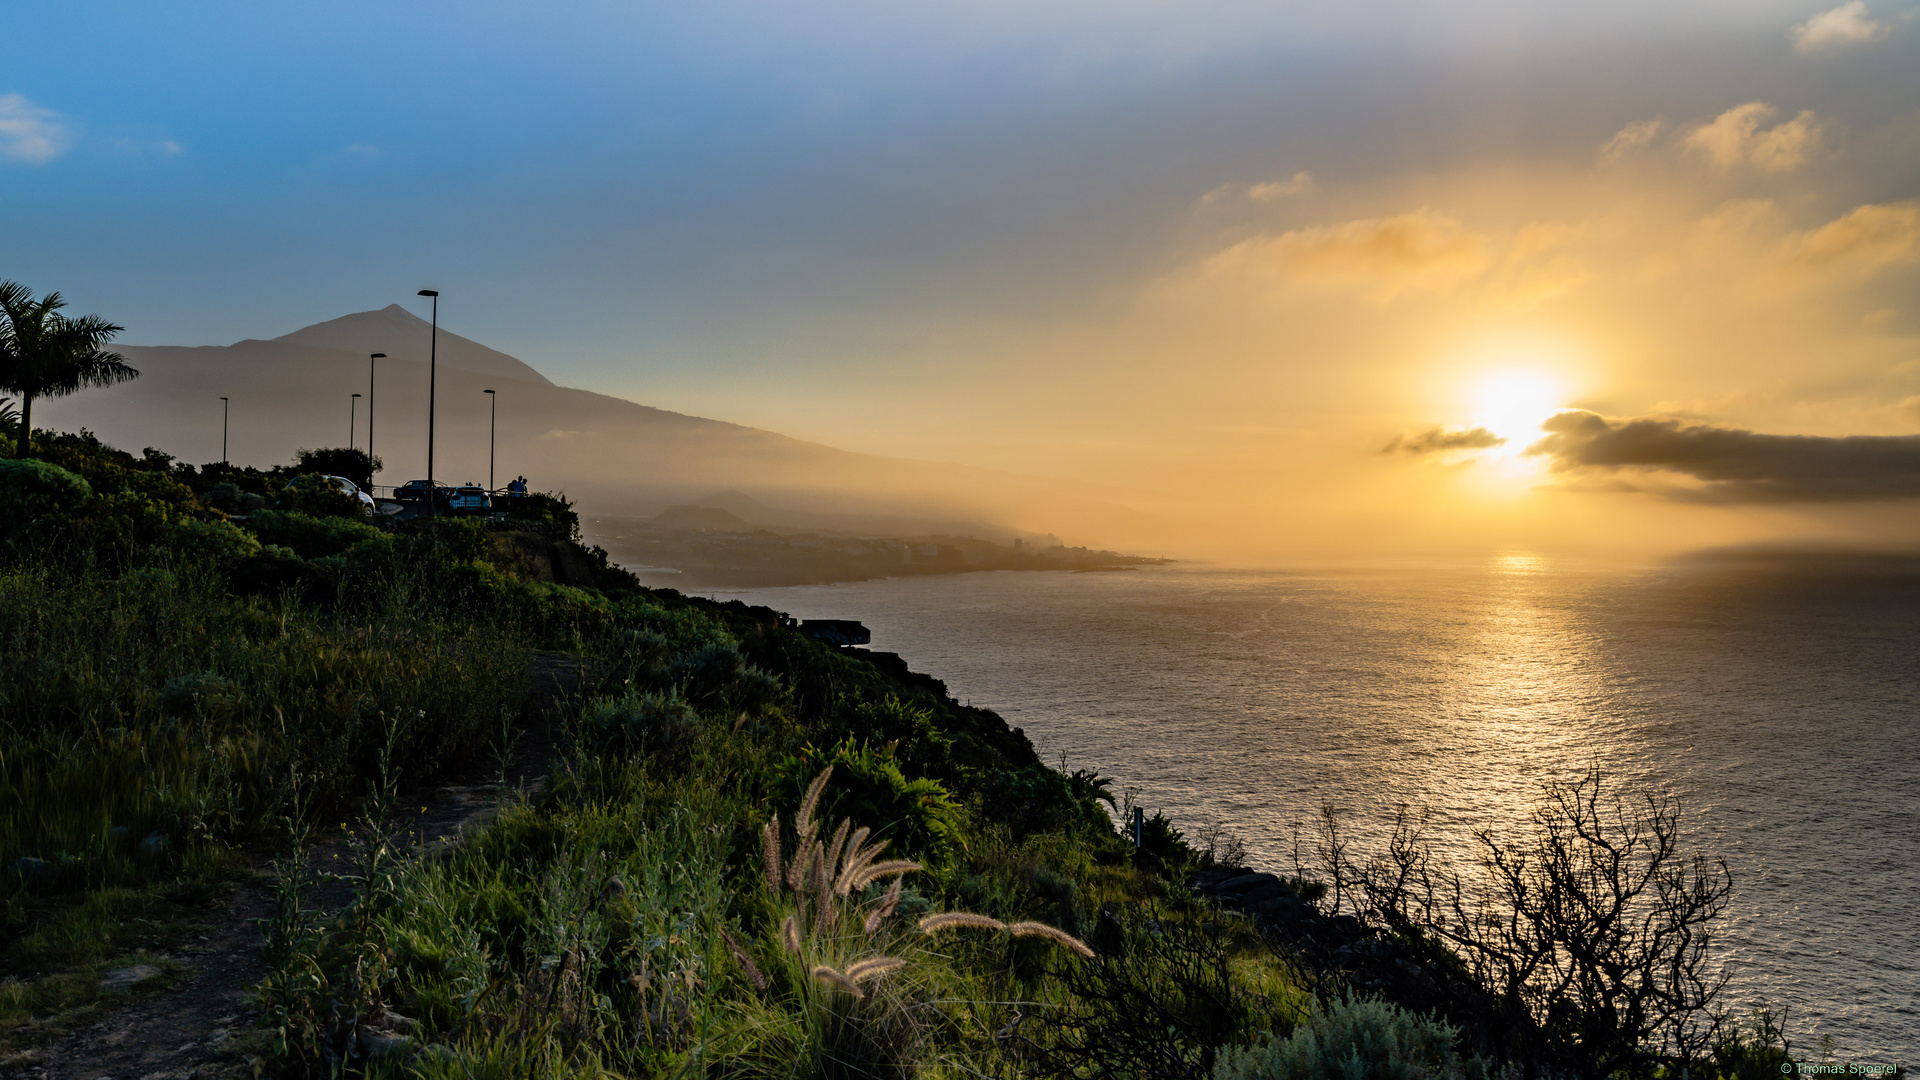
1205,265
613,455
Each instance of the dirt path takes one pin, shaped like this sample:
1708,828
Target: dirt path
205,1026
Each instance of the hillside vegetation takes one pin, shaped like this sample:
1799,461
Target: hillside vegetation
744,854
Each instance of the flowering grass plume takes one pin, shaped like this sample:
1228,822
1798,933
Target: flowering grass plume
821,877
948,920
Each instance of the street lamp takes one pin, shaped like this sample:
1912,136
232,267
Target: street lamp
223,433
493,415
352,408
433,345
371,357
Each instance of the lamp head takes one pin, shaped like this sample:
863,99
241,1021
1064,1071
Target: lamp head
378,356
486,391
356,395
429,292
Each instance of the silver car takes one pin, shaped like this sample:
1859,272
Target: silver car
468,499
352,490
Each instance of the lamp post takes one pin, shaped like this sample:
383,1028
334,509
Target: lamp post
371,357
223,433
493,415
433,345
352,408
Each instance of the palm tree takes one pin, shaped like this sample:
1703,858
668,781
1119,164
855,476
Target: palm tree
45,354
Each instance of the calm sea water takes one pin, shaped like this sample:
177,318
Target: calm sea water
1781,703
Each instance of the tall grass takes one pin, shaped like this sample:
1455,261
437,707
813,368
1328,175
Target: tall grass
157,704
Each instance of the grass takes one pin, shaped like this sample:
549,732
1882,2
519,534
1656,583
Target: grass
55,968
681,896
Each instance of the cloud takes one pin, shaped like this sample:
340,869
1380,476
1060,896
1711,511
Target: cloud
1845,25
1866,238
1735,138
30,133
1439,440
1731,465
1634,136
1300,184
1422,250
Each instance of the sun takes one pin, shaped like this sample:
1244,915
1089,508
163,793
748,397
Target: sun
1512,404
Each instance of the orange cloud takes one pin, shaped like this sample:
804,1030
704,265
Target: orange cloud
1420,251
1634,136
1865,239
1847,24
1735,138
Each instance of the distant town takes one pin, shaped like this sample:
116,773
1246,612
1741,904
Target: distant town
696,546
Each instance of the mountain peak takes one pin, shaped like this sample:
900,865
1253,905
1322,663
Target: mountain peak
403,335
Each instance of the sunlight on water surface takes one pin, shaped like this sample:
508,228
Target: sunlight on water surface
1779,708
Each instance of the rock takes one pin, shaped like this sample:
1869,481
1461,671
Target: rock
384,1045
120,836
1247,883
127,978
154,846
1262,894
571,565
393,1021
34,873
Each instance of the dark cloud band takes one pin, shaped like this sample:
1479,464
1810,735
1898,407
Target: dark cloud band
1439,439
1735,465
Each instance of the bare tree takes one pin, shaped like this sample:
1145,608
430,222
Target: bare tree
1597,924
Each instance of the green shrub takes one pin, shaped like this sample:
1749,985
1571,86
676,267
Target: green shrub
718,676
308,536
657,724
916,815
222,542
314,494
32,489
1355,1039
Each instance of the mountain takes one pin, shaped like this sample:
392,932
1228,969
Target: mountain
613,456
405,336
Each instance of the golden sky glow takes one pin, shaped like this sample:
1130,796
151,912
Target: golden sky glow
1253,280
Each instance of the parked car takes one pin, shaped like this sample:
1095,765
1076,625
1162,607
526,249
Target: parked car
468,499
345,486
415,491
365,500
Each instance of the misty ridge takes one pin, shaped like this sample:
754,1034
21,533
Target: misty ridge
615,456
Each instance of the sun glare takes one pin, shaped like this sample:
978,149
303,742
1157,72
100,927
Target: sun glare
1513,405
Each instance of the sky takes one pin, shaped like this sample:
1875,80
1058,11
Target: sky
1281,279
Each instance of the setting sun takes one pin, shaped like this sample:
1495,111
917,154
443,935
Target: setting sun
1513,404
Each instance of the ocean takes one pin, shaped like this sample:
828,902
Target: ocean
1777,699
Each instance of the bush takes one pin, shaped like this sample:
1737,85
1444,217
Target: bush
32,489
1352,1039
223,542
1160,999
718,675
1622,993
656,724
355,465
314,494
309,537
915,815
